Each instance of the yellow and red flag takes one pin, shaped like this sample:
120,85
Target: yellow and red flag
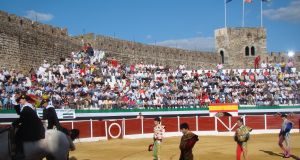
231,108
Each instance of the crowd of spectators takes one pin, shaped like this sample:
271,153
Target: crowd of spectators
89,79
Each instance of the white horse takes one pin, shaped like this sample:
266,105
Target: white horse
55,146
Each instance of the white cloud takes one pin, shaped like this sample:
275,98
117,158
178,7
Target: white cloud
195,44
149,36
290,13
33,15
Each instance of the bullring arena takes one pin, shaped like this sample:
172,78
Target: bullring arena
215,146
115,92
261,147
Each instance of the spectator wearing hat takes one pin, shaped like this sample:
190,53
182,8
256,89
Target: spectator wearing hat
49,114
30,127
157,137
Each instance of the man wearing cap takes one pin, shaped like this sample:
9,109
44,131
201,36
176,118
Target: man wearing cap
50,115
29,126
157,137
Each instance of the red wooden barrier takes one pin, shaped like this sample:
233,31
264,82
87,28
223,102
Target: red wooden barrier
206,123
190,120
133,126
171,124
114,129
255,122
84,127
99,129
148,125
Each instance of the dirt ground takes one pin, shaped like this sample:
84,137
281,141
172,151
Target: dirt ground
261,147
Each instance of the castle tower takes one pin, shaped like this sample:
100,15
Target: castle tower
238,47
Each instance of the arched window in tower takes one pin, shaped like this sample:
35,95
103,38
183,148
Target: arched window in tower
247,51
252,51
222,56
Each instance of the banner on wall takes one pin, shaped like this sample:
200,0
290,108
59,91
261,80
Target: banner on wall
61,113
230,108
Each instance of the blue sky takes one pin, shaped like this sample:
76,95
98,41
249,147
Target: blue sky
186,24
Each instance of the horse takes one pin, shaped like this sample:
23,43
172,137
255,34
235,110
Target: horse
55,146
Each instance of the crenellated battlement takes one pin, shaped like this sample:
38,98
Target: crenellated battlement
30,25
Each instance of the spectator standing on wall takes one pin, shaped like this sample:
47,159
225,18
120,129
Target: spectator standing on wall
90,50
282,65
263,65
140,116
290,65
256,62
219,68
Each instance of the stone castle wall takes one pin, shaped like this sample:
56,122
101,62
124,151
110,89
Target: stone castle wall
233,41
131,52
24,44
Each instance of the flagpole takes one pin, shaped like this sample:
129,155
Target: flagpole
243,20
261,13
225,6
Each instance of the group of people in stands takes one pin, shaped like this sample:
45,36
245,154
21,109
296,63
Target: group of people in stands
89,79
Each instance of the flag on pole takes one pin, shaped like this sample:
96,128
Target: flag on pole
261,11
227,1
248,1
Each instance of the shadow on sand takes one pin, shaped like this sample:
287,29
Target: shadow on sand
271,153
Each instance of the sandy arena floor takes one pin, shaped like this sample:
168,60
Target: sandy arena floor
261,147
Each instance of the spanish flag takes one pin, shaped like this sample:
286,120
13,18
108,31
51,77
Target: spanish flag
231,108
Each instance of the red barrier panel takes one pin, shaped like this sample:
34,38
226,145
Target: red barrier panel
171,124
222,123
296,120
191,121
206,123
85,129
233,123
4,125
99,129
133,126
114,129
67,125
273,122
296,123
148,125
255,122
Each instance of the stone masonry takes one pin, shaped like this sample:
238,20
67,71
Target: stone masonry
24,44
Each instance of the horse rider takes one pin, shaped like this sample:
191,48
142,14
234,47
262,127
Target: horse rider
29,125
49,114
